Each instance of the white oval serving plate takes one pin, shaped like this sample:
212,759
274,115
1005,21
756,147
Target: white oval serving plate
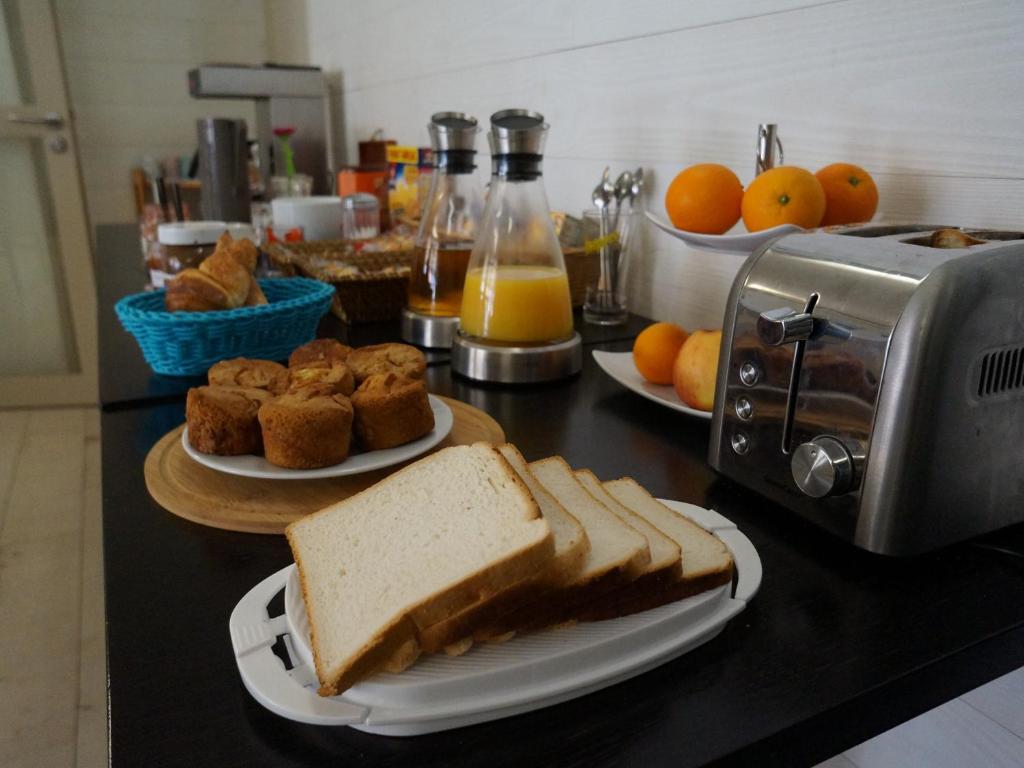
491,680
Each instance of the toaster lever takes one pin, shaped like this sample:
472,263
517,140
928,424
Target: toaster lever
781,326
784,326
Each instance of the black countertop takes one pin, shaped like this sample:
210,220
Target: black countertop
837,646
126,381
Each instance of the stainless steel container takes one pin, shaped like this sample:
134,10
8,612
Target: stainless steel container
875,385
224,169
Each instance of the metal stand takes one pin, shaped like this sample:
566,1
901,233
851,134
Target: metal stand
517,365
428,331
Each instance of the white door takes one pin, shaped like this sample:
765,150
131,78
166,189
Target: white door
47,294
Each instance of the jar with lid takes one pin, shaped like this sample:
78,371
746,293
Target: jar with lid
184,244
360,216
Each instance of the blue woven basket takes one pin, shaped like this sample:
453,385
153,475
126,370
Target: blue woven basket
188,343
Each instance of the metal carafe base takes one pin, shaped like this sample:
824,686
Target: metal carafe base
428,331
517,365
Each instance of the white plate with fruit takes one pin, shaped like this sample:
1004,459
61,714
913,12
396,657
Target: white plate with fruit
742,243
705,201
669,366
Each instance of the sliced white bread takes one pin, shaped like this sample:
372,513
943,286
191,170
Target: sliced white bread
618,555
571,547
422,544
666,555
706,561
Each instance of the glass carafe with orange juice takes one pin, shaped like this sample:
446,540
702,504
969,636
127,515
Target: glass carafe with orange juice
516,320
448,228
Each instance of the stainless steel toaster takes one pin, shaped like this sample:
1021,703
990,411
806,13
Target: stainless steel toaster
874,384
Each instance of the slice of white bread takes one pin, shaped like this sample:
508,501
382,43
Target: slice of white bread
618,555
571,545
666,556
706,561
420,545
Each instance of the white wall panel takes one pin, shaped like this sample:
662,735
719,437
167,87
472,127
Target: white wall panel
127,63
923,93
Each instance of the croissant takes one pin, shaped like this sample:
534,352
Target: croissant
243,251
223,280
256,295
195,291
235,278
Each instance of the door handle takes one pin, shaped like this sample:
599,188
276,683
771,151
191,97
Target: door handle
50,119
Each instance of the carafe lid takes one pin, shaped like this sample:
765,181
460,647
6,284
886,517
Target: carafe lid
452,131
517,132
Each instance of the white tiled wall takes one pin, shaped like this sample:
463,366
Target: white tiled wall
923,93
127,62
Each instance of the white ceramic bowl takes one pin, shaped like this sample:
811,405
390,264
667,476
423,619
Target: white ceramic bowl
319,216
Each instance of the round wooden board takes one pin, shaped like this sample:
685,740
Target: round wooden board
189,490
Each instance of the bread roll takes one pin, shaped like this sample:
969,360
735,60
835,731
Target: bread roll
223,420
307,428
400,359
319,351
336,375
391,410
243,372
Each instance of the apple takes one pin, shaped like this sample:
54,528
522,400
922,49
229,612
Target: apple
696,368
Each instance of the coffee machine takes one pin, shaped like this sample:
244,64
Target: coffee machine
284,96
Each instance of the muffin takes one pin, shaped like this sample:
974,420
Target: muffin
400,359
319,351
223,420
336,375
242,372
307,427
391,410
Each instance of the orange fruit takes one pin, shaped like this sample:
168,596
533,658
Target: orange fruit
655,350
784,195
850,194
696,369
704,198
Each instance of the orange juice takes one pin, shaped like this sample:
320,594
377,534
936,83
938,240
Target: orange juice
517,303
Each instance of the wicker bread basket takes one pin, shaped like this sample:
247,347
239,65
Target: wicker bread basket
369,286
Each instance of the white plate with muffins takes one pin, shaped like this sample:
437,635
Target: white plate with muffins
334,411
249,465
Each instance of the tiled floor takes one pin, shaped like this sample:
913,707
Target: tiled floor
53,673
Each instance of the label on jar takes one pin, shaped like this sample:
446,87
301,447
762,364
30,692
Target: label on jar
157,278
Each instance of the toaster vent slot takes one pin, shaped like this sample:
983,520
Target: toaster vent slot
1001,371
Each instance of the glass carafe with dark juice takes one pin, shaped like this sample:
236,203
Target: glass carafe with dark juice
516,318
448,228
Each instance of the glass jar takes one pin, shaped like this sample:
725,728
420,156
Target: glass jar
184,244
360,217
517,290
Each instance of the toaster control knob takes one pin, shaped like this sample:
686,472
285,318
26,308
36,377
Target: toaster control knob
782,326
822,467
